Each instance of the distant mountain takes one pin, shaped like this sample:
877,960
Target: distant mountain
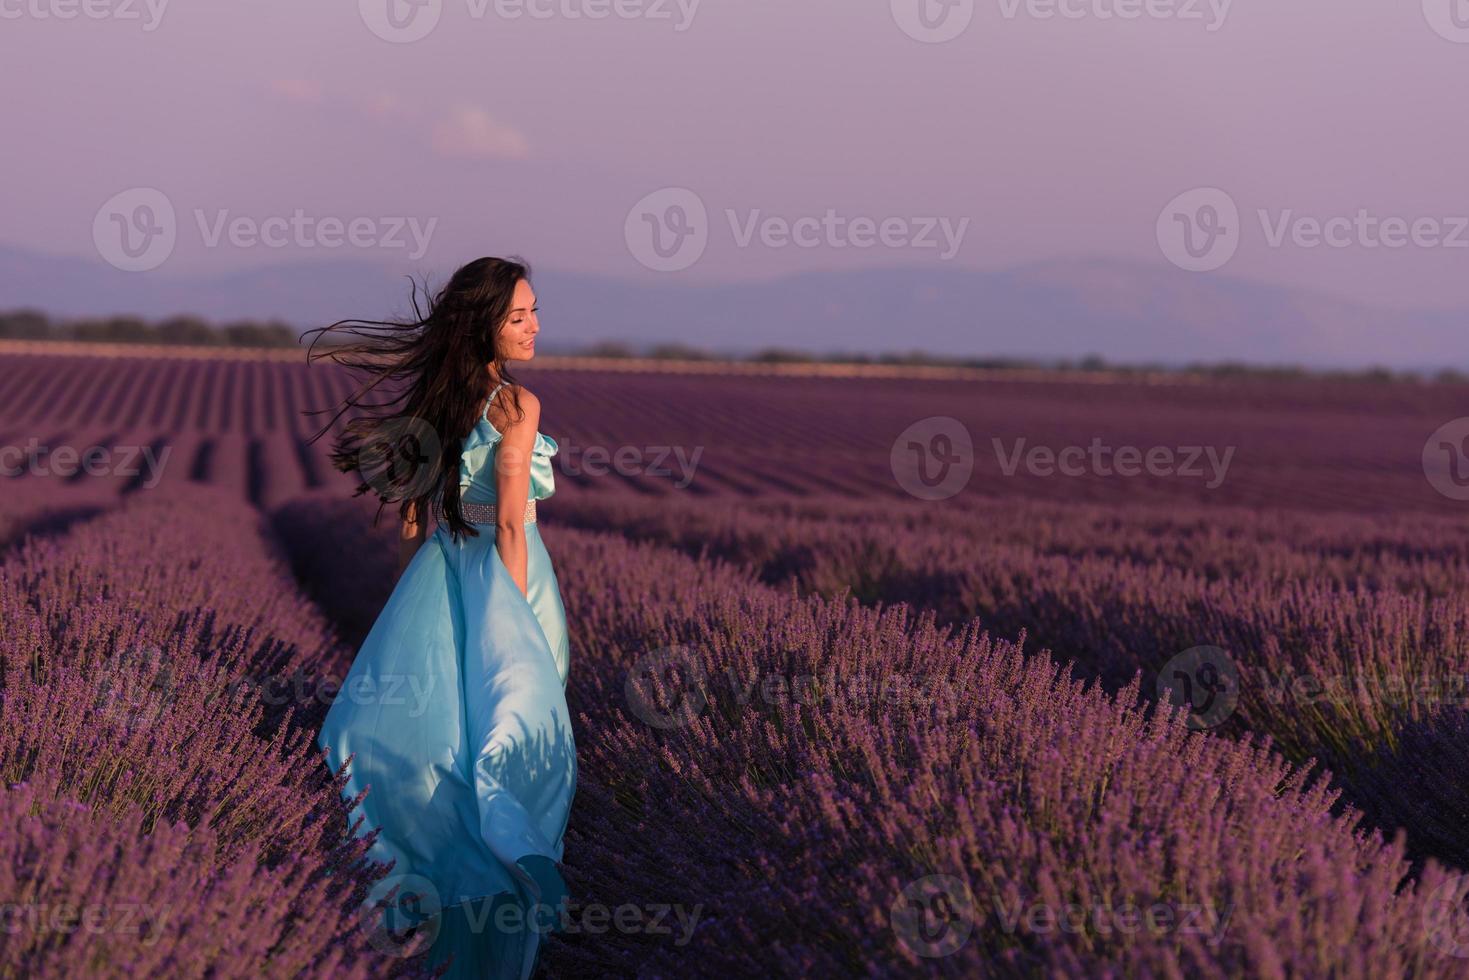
1126,312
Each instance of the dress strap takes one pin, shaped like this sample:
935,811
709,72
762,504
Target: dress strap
486,413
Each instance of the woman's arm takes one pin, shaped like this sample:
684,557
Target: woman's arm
512,488
411,533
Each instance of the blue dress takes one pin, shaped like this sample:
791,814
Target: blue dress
455,708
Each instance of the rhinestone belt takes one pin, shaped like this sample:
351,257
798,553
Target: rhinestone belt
483,513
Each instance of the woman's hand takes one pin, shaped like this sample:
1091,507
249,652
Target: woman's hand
411,534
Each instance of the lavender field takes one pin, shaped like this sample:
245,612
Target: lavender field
1004,676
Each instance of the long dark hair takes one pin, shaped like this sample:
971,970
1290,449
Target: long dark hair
406,447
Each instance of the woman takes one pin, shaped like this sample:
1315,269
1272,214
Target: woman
454,711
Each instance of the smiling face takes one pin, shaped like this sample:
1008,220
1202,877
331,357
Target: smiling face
517,340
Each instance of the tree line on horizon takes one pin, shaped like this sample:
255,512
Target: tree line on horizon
191,330
29,324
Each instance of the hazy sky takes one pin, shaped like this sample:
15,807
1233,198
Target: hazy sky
1044,128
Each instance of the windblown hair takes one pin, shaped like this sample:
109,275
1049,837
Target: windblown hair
433,373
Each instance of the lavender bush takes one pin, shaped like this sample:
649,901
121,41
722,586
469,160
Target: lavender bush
824,729
1346,631
847,828
157,675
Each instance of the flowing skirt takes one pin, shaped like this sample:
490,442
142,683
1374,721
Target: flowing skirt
455,708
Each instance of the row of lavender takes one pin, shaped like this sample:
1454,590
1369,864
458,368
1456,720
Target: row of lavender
987,813
164,810
242,426
977,810
793,785
756,795
1343,638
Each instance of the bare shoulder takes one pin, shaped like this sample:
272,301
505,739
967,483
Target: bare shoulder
530,405
528,401
502,413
